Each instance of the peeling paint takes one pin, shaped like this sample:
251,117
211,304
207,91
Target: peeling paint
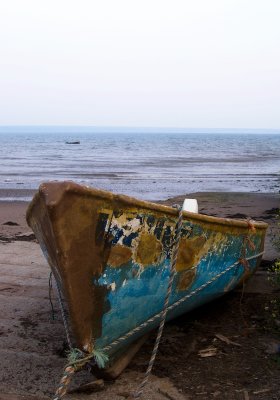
112,255
119,255
149,250
190,252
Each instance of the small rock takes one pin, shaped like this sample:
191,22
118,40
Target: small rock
11,223
91,387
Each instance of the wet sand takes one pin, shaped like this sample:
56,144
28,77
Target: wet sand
31,343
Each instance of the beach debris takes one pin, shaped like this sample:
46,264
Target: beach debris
226,339
208,352
11,223
261,391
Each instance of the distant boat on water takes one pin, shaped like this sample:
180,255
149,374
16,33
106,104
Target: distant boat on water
111,257
74,142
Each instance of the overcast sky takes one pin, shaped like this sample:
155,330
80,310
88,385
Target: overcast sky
177,63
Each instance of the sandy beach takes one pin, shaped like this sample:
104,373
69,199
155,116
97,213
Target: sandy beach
31,345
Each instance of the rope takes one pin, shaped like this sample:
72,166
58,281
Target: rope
141,387
63,313
78,359
79,363
50,297
64,382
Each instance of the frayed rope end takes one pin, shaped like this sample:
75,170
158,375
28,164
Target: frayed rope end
76,357
100,358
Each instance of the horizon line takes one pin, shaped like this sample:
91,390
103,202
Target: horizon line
118,128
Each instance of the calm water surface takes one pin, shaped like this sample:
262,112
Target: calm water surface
147,166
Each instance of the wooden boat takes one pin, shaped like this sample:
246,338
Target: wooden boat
110,255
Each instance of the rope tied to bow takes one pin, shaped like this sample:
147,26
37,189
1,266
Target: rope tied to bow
78,359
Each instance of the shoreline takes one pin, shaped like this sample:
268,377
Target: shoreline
16,195
26,195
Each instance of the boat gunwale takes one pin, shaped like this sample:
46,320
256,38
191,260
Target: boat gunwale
72,187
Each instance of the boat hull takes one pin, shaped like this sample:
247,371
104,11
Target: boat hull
111,256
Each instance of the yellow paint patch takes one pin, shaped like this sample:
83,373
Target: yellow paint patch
119,255
190,252
149,250
217,241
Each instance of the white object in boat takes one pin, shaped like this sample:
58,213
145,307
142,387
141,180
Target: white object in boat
190,205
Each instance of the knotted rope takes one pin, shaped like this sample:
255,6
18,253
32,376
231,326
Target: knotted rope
79,359
63,314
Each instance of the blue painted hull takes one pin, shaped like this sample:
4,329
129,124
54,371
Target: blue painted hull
138,297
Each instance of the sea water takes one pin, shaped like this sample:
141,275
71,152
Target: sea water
145,165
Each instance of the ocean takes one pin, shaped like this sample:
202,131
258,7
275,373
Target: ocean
151,166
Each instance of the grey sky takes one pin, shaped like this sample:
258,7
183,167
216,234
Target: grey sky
199,63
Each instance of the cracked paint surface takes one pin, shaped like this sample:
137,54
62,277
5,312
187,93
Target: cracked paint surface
139,267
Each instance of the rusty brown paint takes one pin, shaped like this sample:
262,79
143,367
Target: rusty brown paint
119,255
149,250
190,252
186,279
75,225
73,222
